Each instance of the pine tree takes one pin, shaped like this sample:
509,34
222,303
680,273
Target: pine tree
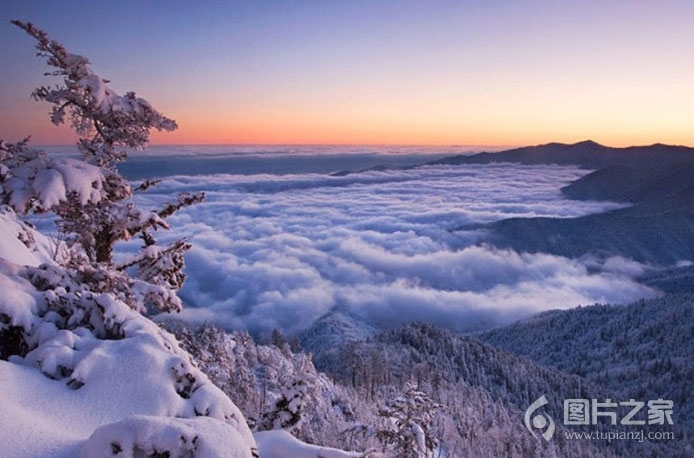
92,200
287,412
407,424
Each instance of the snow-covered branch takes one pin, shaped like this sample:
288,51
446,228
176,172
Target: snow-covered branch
115,123
92,200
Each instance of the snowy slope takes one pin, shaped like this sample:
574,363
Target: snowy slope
84,375
642,350
18,241
281,444
255,376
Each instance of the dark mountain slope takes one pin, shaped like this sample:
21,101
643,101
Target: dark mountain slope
663,183
332,332
434,355
645,233
586,154
658,228
643,350
460,371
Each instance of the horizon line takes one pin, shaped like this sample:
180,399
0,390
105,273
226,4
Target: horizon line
497,147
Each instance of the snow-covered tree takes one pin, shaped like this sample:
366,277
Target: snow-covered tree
74,350
407,424
288,408
92,200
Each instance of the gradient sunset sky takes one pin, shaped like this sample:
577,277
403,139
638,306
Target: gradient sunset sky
477,72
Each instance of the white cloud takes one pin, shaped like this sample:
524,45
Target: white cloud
282,250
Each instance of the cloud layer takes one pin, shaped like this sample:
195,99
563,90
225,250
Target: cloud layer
280,251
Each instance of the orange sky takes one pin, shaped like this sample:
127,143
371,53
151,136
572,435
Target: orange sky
467,73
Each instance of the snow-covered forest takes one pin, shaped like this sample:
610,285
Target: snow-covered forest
97,361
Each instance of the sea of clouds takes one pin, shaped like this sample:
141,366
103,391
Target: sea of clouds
282,250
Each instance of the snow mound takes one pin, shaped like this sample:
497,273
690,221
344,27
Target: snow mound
281,444
139,436
78,365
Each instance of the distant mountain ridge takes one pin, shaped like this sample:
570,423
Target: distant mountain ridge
587,154
332,332
657,179
662,182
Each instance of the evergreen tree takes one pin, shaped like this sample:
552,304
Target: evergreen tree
92,200
407,424
288,409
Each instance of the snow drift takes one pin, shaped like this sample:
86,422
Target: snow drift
85,375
